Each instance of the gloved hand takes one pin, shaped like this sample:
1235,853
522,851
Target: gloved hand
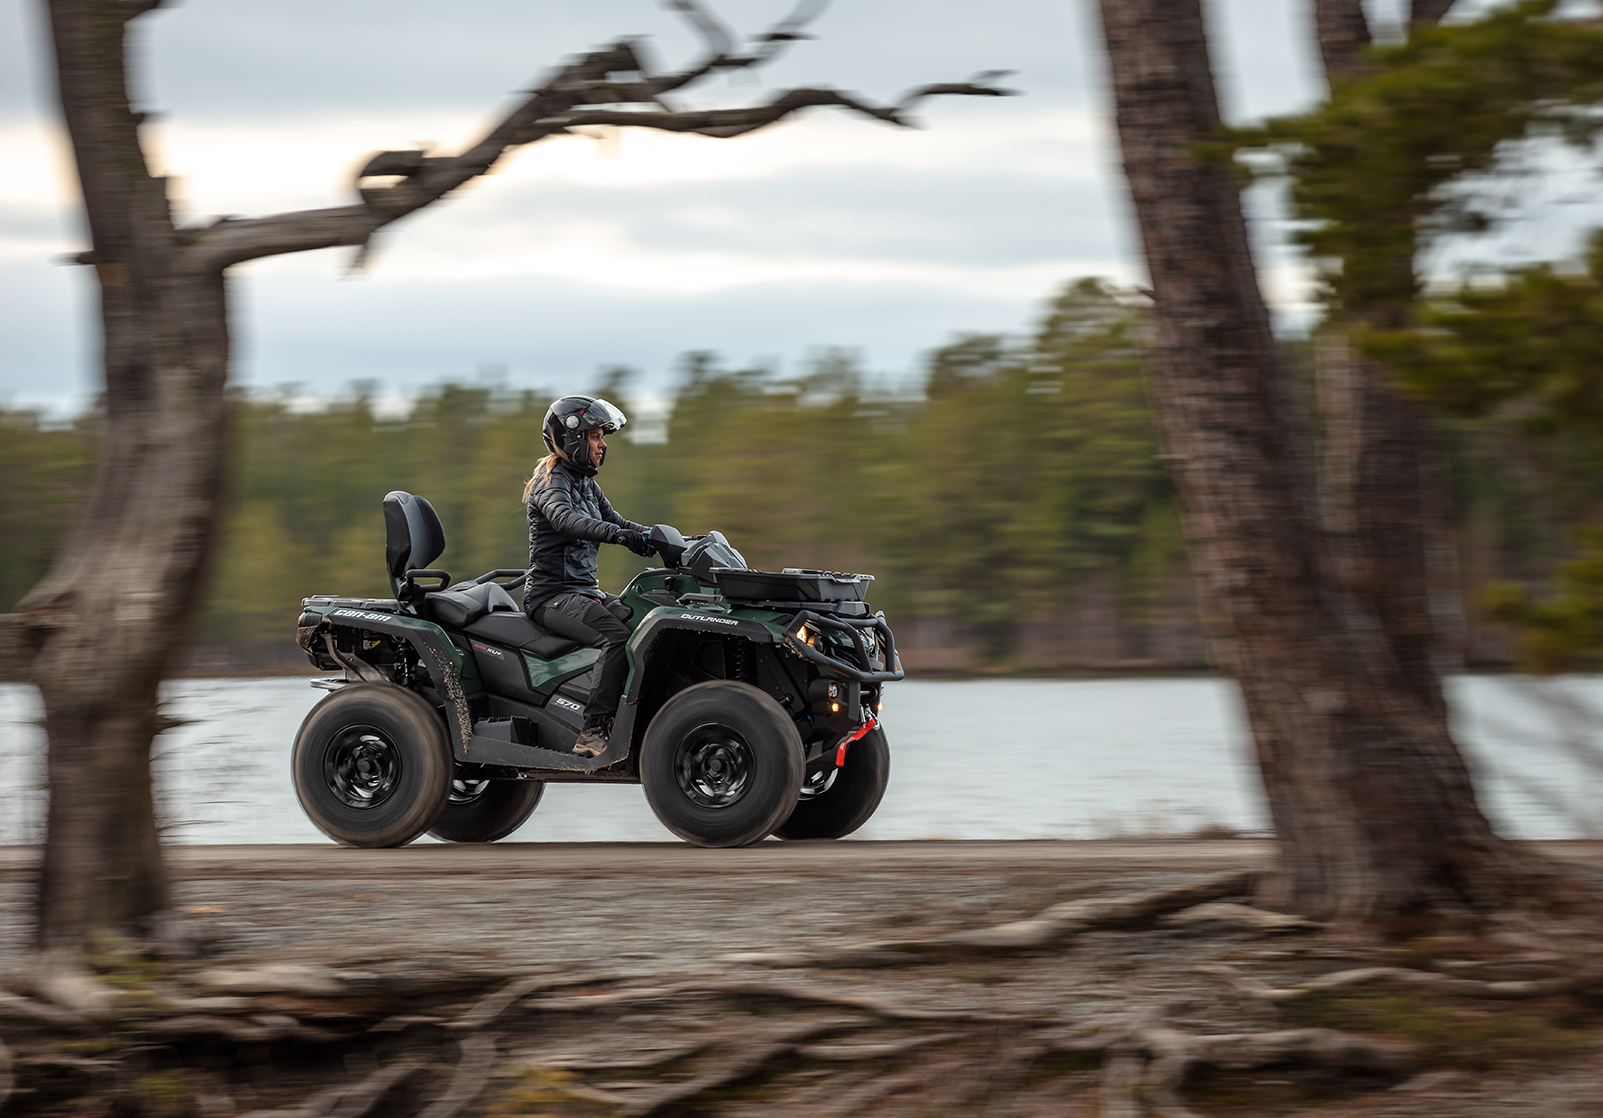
635,542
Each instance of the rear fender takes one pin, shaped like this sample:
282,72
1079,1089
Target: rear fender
442,659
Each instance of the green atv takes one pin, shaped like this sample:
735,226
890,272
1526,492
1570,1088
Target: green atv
749,710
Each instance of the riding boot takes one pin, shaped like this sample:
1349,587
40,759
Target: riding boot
592,740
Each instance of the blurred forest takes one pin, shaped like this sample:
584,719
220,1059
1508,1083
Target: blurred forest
1012,508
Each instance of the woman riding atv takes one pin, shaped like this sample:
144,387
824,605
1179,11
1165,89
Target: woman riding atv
568,517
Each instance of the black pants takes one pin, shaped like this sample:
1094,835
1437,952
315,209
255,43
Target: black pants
583,619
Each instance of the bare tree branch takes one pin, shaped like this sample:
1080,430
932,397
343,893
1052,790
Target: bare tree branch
765,46
717,36
726,123
584,92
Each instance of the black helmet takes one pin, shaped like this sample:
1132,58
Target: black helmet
569,419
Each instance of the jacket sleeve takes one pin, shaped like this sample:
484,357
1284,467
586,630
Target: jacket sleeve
610,515
555,502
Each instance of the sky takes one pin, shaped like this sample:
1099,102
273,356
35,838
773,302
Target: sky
579,254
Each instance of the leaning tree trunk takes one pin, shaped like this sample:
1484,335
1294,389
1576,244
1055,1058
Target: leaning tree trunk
106,624
1369,797
109,619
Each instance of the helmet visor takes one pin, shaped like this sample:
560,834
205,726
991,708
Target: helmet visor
603,415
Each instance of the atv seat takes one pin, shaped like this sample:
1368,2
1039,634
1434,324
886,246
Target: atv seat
487,611
460,606
515,629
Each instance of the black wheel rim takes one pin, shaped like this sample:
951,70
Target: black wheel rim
818,782
467,791
714,766
362,767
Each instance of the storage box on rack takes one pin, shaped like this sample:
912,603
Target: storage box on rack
791,585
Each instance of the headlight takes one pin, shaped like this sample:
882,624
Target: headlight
809,635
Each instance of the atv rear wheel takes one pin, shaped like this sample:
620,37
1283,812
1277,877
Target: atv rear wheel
372,766
835,802
721,764
486,810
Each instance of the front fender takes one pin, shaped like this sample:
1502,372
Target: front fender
666,618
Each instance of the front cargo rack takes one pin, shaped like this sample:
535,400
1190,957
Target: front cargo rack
790,585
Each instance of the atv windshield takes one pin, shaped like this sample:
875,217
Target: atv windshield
603,415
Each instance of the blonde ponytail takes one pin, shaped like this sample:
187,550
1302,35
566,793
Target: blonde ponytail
542,470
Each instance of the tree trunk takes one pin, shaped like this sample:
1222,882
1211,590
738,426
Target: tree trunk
1369,796
109,619
1385,497
1428,12
1383,481
1343,34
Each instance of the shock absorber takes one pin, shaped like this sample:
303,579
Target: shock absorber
743,660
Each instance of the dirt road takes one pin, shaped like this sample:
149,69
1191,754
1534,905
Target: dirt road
656,903
662,903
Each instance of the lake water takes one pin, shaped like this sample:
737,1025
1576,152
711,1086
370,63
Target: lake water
982,759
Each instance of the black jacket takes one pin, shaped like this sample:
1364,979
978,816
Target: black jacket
568,517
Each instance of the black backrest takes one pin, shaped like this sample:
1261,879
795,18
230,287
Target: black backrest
413,535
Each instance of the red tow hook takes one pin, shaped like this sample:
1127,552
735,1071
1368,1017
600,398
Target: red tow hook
855,735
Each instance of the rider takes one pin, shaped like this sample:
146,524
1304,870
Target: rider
568,517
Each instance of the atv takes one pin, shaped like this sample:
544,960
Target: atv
750,707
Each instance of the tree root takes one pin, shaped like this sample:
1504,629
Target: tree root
862,1100
757,991
1547,964
1428,980
1048,928
1121,1079
748,1066
497,1002
1242,916
261,1029
1171,1056
354,1101
14,1008
472,1073
639,1063
60,977
889,1050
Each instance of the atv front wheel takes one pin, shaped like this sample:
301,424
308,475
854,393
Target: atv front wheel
835,802
372,765
721,764
486,810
